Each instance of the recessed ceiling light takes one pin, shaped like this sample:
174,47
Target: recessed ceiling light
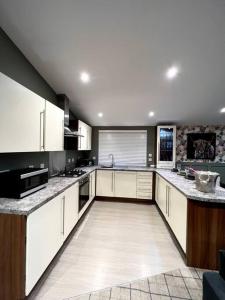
222,110
151,114
85,77
172,72
100,115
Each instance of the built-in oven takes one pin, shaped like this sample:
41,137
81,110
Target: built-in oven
83,192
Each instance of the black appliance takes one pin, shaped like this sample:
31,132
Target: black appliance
83,192
22,182
201,145
72,173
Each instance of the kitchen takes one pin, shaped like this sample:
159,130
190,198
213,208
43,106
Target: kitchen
112,166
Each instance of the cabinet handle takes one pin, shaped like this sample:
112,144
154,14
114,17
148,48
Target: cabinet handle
62,134
42,130
63,215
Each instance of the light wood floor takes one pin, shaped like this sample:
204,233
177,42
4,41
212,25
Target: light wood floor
116,243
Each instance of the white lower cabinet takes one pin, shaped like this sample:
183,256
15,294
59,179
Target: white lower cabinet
92,186
70,209
105,183
47,229
44,239
125,184
173,205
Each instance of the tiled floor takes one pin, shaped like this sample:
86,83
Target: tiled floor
185,283
116,243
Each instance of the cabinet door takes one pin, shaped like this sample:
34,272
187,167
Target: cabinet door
92,185
105,183
125,184
21,118
162,195
89,136
70,209
44,238
54,128
177,215
82,140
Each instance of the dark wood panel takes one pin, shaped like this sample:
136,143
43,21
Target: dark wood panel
12,257
205,233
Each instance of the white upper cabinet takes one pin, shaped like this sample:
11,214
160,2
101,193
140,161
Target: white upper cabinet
166,146
28,122
21,118
54,128
84,142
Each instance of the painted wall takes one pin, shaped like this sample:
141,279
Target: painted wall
182,132
151,139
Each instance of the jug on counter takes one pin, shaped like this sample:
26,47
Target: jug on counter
206,181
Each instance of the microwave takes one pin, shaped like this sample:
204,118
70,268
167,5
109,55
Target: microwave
22,182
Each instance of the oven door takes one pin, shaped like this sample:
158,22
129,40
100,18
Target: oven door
83,192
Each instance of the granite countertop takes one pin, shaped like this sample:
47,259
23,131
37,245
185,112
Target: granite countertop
187,187
57,185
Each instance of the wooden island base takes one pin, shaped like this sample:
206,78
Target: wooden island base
205,234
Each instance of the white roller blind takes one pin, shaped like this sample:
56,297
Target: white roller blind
129,147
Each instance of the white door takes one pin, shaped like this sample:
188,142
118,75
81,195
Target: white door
21,118
82,141
125,184
70,208
177,215
54,128
105,183
92,186
162,196
89,137
44,239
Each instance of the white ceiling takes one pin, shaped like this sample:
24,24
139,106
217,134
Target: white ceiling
127,45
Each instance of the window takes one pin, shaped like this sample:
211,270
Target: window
129,147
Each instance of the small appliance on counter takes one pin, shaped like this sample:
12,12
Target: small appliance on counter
206,181
85,162
22,182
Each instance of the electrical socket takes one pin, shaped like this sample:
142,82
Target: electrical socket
42,166
69,160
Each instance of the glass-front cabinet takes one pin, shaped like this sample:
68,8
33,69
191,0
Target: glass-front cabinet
166,146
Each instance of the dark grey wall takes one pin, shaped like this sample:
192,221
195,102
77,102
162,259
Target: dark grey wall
151,139
15,65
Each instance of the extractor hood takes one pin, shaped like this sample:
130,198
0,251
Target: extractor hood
63,102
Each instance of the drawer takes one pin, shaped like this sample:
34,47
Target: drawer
144,190
144,174
144,182
142,195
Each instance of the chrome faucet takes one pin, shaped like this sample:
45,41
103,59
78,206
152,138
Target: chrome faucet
112,158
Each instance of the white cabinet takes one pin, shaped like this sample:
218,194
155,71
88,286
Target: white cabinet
177,214
28,122
44,238
173,205
70,209
54,128
144,185
125,184
92,186
166,146
105,183
47,229
21,118
84,141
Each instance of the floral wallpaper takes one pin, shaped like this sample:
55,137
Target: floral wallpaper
182,131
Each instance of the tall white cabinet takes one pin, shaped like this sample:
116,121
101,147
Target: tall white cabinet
166,146
84,141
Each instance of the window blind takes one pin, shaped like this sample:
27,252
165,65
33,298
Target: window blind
129,147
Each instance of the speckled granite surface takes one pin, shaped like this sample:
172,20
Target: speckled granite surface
32,202
187,187
57,185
